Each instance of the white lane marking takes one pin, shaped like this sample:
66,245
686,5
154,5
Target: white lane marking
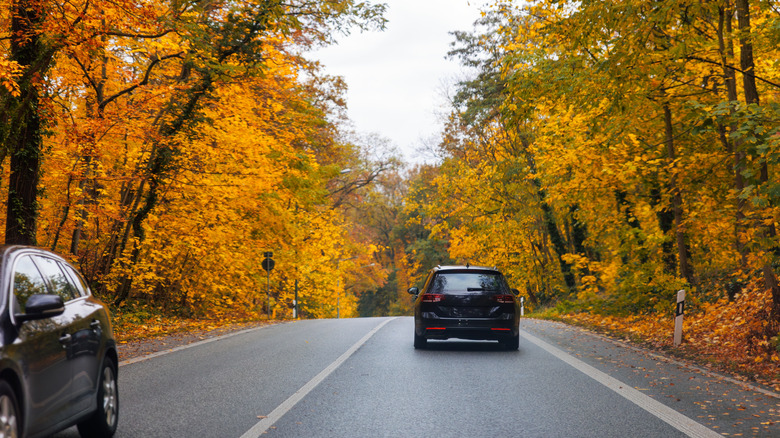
194,344
660,410
690,366
263,425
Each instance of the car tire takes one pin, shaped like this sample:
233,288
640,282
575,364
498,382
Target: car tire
10,421
104,421
420,342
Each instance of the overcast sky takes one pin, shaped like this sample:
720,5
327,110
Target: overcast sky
397,77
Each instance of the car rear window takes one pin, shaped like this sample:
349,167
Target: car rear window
467,282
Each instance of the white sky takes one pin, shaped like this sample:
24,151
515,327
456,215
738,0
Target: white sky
397,78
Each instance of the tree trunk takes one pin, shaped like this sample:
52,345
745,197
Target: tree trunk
683,254
88,183
666,224
637,243
22,212
24,125
549,221
726,48
579,231
746,52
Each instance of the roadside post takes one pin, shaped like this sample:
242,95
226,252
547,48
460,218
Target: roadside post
678,317
268,265
522,306
295,301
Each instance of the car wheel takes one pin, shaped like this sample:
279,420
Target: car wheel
512,344
420,341
9,412
103,422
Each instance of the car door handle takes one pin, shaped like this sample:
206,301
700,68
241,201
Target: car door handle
65,339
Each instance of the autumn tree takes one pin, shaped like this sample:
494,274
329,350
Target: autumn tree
183,138
627,144
23,120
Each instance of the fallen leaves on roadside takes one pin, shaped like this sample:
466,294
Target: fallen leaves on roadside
144,322
730,336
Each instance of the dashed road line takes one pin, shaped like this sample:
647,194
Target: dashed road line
263,425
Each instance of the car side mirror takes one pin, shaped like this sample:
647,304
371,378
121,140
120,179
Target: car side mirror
41,306
516,292
413,291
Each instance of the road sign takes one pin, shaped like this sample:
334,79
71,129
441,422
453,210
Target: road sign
268,264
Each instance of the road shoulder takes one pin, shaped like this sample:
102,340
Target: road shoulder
723,403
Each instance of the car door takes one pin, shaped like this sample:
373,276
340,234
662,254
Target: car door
81,327
43,345
88,340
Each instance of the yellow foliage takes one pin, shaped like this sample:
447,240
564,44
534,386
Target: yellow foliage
246,172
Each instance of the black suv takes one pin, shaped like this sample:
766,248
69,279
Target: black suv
58,357
466,302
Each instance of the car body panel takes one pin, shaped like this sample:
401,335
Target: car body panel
55,361
467,303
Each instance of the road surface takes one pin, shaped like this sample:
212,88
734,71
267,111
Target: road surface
362,377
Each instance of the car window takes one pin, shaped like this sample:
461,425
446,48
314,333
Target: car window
469,282
27,282
78,281
58,280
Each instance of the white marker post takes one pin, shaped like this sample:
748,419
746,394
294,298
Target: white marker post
522,306
678,317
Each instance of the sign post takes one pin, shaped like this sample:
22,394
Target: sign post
295,301
268,265
678,317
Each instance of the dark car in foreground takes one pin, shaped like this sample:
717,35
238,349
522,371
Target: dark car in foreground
58,357
466,302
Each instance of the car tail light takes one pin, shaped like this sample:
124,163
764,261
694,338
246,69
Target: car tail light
437,328
432,298
504,299
500,329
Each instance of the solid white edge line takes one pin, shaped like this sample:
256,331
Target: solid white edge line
673,418
194,344
690,366
263,425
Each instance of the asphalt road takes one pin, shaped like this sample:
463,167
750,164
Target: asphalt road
362,378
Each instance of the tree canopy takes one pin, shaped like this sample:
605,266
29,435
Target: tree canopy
167,146
608,154
603,154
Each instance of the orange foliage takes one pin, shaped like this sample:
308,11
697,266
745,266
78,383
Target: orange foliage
184,142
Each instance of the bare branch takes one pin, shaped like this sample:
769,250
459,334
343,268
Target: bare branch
143,82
